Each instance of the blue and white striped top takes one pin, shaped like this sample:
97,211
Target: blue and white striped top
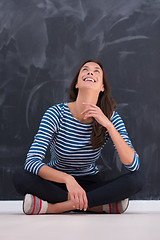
69,142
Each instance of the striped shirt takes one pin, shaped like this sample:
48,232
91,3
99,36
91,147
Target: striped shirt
69,142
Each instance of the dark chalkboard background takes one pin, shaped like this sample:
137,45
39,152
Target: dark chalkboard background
43,43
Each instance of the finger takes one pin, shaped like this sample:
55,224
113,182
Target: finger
91,114
88,109
85,202
77,202
69,197
73,200
81,202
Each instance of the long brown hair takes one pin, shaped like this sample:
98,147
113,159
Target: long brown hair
105,102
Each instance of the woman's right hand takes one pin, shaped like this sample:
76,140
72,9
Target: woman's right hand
76,194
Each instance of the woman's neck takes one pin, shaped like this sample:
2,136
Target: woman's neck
85,99
78,107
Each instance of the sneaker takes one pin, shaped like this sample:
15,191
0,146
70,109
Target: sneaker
116,207
33,205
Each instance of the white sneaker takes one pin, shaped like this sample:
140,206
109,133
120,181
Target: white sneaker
116,207
34,205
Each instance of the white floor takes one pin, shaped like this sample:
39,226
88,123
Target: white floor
140,221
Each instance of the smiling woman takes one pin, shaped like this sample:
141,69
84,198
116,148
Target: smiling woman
76,132
99,94
90,72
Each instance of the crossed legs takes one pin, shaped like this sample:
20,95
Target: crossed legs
98,193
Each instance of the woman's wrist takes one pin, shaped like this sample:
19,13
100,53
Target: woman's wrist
108,125
68,178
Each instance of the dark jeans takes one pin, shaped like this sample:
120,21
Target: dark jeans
98,192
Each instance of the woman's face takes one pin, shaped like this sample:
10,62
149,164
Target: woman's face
91,76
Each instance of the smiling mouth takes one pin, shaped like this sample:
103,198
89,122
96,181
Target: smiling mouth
89,80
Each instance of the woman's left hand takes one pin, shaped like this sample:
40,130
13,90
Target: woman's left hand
95,112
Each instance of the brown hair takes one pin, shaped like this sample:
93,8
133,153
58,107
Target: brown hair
105,102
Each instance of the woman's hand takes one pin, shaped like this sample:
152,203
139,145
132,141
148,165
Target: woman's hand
95,112
76,194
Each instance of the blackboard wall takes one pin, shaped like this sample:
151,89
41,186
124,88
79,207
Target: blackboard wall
43,43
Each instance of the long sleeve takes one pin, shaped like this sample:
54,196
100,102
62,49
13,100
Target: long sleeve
48,127
120,127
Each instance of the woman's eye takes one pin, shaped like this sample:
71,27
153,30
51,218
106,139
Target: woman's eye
96,71
84,69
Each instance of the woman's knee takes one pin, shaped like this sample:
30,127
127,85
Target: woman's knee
21,180
136,181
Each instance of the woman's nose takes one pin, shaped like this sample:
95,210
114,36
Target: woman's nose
90,73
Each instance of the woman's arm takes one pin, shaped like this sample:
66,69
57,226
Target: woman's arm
126,153
48,127
53,175
75,192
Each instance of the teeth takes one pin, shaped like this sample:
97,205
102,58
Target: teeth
89,79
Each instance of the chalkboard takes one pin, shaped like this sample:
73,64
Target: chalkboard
42,45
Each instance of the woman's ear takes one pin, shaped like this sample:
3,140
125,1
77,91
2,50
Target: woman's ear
102,89
76,86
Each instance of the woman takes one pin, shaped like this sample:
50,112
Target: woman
76,132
